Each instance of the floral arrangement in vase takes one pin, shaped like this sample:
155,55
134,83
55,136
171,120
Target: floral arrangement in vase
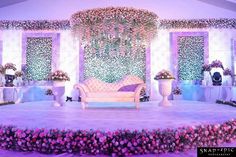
177,91
2,70
59,75
227,72
18,74
10,66
217,64
49,92
206,67
164,74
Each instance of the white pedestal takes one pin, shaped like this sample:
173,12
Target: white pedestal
165,90
58,91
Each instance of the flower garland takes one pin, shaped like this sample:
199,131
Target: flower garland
35,25
120,24
163,24
198,23
117,143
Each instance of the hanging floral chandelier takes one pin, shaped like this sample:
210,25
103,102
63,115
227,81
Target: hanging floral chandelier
115,25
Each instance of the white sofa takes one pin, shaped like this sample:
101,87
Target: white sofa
126,90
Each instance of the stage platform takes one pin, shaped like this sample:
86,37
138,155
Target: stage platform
115,121
113,116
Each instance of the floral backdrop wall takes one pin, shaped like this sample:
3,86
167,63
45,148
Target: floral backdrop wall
38,58
190,57
111,66
221,31
114,41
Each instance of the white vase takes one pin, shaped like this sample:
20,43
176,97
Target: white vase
58,83
58,91
165,86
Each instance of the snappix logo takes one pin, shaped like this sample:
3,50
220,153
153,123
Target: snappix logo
216,152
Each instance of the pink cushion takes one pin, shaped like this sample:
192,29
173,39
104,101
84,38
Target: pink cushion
129,88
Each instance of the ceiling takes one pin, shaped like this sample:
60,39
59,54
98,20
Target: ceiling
226,4
5,3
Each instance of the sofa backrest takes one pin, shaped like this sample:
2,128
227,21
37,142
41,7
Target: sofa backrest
96,85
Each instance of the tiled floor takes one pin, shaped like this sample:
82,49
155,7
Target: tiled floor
112,116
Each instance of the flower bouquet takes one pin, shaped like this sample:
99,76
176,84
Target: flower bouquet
49,92
217,64
227,76
177,91
59,75
164,74
177,94
10,66
2,70
206,67
18,81
227,72
18,74
206,70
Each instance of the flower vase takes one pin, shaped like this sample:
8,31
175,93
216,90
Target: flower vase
165,86
19,81
58,91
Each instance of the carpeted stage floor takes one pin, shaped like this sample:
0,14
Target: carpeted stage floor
113,116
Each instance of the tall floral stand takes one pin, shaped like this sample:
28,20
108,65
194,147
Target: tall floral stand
58,91
165,86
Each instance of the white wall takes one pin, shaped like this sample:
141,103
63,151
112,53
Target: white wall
219,48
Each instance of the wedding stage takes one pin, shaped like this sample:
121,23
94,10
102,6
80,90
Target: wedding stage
113,116
188,124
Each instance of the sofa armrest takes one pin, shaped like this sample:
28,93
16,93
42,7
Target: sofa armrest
138,91
83,89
